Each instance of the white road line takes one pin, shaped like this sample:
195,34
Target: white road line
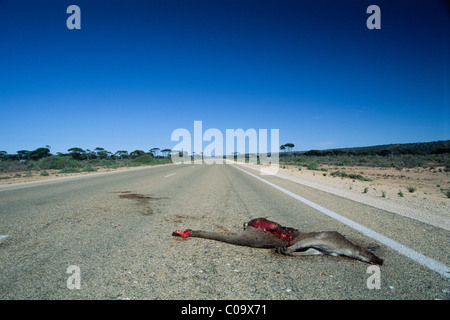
428,262
170,175
37,184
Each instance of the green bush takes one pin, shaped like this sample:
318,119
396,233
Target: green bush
359,177
144,159
69,170
343,174
313,166
57,162
44,174
338,173
300,160
89,169
103,163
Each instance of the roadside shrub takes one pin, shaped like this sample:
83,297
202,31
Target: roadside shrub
44,174
57,162
359,177
144,159
300,160
12,165
103,163
343,174
313,166
69,170
338,173
89,169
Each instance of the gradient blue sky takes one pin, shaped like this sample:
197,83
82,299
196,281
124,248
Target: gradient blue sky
138,70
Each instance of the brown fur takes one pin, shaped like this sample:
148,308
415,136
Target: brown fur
312,243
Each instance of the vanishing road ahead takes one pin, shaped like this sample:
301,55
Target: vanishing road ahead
116,228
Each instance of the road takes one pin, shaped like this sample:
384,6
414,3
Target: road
123,247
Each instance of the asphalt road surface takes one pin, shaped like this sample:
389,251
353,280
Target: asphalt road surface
109,237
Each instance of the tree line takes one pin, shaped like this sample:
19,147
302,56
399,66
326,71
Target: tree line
382,153
77,153
411,149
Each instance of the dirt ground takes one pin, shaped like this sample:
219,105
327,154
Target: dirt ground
20,177
428,185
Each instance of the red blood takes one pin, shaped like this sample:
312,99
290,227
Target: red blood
183,234
264,224
272,228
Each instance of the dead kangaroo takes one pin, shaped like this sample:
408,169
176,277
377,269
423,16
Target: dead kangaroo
262,233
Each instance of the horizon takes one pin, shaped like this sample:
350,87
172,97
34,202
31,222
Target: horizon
138,70
220,155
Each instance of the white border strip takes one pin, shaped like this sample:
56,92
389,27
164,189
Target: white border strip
169,175
430,263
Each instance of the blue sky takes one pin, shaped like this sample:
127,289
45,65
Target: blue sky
138,70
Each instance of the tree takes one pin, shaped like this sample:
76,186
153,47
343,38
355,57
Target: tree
39,153
136,153
154,152
102,153
77,153
122,154
442,150
90,154
23,154
166,152
282,147
313,153
289,146
385,153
